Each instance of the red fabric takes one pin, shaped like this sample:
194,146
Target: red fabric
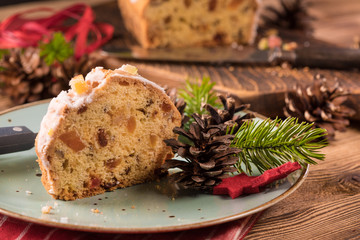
244,184
19,31
11,229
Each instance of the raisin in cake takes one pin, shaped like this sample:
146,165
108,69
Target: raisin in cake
105,133
181,23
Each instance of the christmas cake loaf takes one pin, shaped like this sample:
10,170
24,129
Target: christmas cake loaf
180,23
105,133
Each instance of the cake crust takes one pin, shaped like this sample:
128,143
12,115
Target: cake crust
105,133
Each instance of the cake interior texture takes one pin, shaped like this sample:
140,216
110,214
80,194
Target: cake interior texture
191,22
113,141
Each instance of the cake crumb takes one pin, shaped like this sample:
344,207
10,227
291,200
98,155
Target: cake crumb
95,210
133,207
46,209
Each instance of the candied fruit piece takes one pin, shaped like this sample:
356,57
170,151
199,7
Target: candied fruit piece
165,107
153,140
129,68
112,163
79,85
212,5
82,109
51,132
118,118
124,83
102,139
187,3
131,124
95,182
72,140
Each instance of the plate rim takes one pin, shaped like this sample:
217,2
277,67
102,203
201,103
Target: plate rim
160,229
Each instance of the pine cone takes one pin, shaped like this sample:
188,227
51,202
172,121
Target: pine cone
227,115
26,78
209,155
179,103
292,15
320,104
62,74
22,74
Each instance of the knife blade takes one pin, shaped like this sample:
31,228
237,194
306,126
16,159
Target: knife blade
321,57
15,139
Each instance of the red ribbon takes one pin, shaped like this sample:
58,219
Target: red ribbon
19,31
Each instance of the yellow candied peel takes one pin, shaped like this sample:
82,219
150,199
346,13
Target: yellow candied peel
79,85
51,132
129,68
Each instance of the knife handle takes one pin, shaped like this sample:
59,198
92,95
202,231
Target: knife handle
335,58
15,139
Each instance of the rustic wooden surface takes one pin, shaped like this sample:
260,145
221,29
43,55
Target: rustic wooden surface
327,205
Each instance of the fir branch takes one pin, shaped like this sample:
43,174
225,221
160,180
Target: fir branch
196,96
271,143
58,49
3,52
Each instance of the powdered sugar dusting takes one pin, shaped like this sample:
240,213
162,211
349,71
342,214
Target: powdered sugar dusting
135,76
96,75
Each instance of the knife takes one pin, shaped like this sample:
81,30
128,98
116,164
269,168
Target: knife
15,139
321,57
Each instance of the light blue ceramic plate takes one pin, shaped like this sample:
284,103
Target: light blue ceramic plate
143,208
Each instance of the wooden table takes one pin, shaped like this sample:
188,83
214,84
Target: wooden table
327,205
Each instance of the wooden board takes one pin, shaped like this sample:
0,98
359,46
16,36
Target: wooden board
263,88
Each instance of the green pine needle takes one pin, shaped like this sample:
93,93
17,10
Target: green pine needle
58,49
3,52
271,143
196,96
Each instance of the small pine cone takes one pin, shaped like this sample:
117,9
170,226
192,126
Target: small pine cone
320,104
62,74
72,67
27,78
207,149
179,103
291,15
23,74
210,156
227,115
